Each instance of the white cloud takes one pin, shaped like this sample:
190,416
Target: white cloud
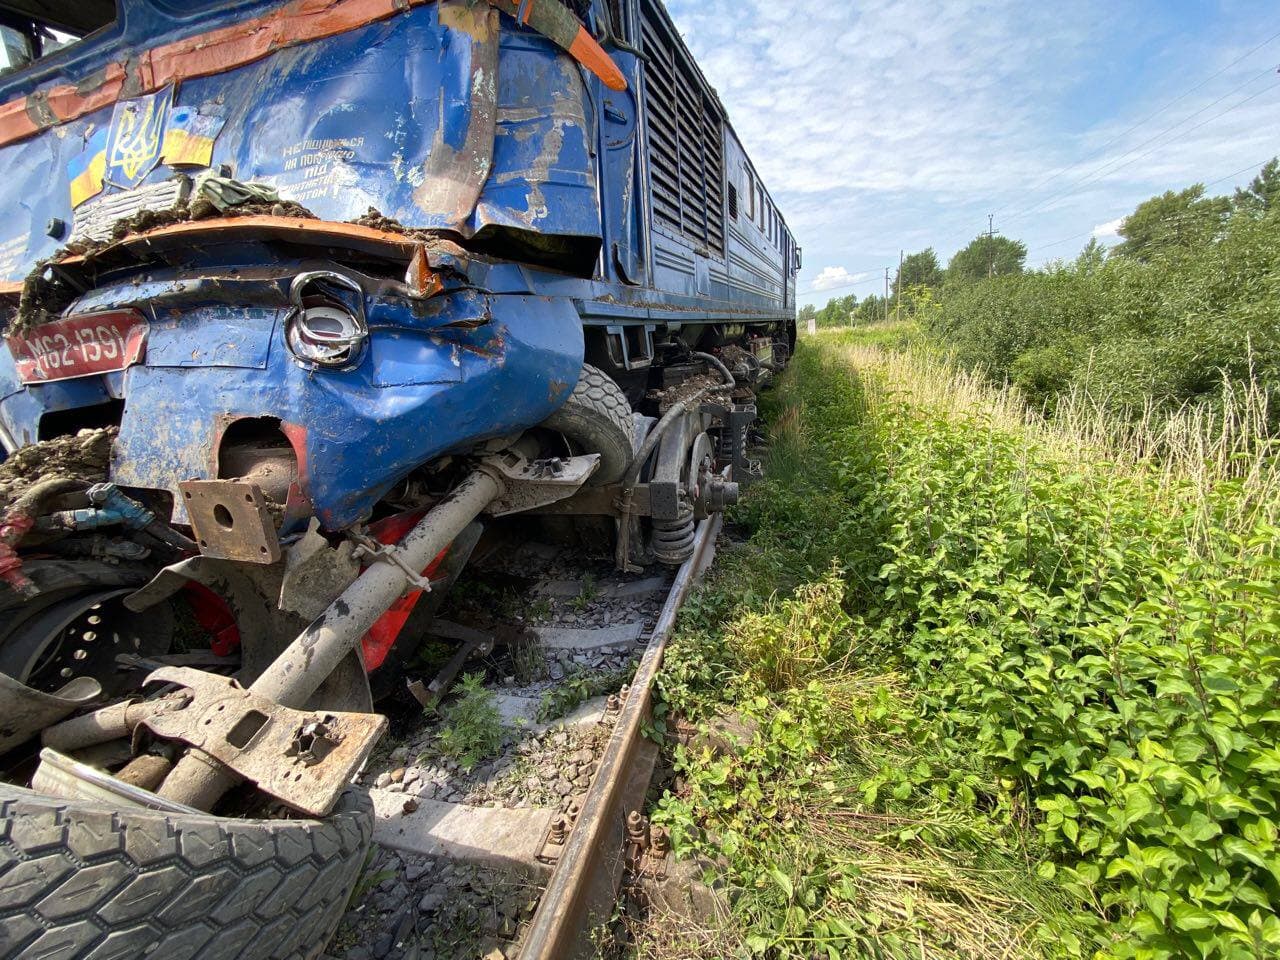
832,277
1109,229
900,124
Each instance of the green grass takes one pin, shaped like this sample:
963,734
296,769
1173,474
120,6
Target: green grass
472,731
1012,683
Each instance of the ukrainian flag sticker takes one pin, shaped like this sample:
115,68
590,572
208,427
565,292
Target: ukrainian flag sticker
85,171
188,138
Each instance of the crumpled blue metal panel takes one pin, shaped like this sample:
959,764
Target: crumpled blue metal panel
542,161
22,407
402,115
360,431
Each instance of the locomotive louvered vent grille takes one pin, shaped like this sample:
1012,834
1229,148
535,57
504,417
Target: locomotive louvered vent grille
686,155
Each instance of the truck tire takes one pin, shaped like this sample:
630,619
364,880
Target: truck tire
80,879
597,418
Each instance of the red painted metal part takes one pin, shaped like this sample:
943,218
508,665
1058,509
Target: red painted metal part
14,525
377,643
213,614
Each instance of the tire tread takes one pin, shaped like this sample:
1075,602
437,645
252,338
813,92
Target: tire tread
73,869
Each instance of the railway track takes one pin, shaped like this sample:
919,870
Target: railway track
518,851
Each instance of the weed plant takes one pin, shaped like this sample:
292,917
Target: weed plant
472,730
1012,681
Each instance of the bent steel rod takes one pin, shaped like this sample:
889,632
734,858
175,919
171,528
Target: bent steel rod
294,675
558,926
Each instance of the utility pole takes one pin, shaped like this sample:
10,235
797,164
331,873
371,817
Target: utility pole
897,296
886,294
991,245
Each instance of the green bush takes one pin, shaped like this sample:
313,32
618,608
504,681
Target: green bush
1170,330
1072,668
1066,632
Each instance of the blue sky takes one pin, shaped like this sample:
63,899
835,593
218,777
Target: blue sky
888,124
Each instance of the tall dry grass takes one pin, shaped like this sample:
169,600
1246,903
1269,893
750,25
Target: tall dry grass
1189,456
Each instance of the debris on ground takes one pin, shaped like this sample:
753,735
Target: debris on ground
82,456
433,908
414,906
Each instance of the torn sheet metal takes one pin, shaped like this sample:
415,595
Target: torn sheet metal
438,377
315,573
26,711
330,126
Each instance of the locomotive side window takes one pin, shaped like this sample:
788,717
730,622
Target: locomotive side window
32,31
686,150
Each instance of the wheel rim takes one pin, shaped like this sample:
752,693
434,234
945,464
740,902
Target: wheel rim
81,636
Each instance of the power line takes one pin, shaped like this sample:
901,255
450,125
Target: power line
1212,183
1115,165
1178,99
843,286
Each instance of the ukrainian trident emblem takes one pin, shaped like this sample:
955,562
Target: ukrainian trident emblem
137,127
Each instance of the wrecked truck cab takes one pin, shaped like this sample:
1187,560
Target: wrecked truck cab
299,302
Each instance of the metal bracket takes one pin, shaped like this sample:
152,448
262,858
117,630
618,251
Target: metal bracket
304,759
28,711
536,483
553,843
388,553
429,694
558,831
231,520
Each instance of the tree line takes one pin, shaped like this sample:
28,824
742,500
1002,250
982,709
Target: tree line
1185,304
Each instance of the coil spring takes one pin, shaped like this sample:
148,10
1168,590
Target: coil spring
673,539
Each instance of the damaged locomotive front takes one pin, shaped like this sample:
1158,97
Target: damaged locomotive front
301,302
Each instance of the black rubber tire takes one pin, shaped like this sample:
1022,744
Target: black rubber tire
597,418
81,880
62,581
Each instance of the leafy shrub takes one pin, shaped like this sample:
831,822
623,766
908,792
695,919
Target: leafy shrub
1073,662
790,641
473,730
1172,330
1055,618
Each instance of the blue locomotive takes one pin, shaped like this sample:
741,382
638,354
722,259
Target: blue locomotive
297,299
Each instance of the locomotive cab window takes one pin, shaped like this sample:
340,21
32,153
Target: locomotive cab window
30,31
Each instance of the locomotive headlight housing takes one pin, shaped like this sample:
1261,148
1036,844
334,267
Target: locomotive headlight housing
327,326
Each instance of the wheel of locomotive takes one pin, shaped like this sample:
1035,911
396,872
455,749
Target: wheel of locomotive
77,625
83,879
673,539
596,418
701,463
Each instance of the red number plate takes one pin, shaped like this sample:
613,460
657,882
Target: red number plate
79,346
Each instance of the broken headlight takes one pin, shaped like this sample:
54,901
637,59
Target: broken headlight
327,326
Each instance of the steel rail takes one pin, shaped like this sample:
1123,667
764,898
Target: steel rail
584,883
